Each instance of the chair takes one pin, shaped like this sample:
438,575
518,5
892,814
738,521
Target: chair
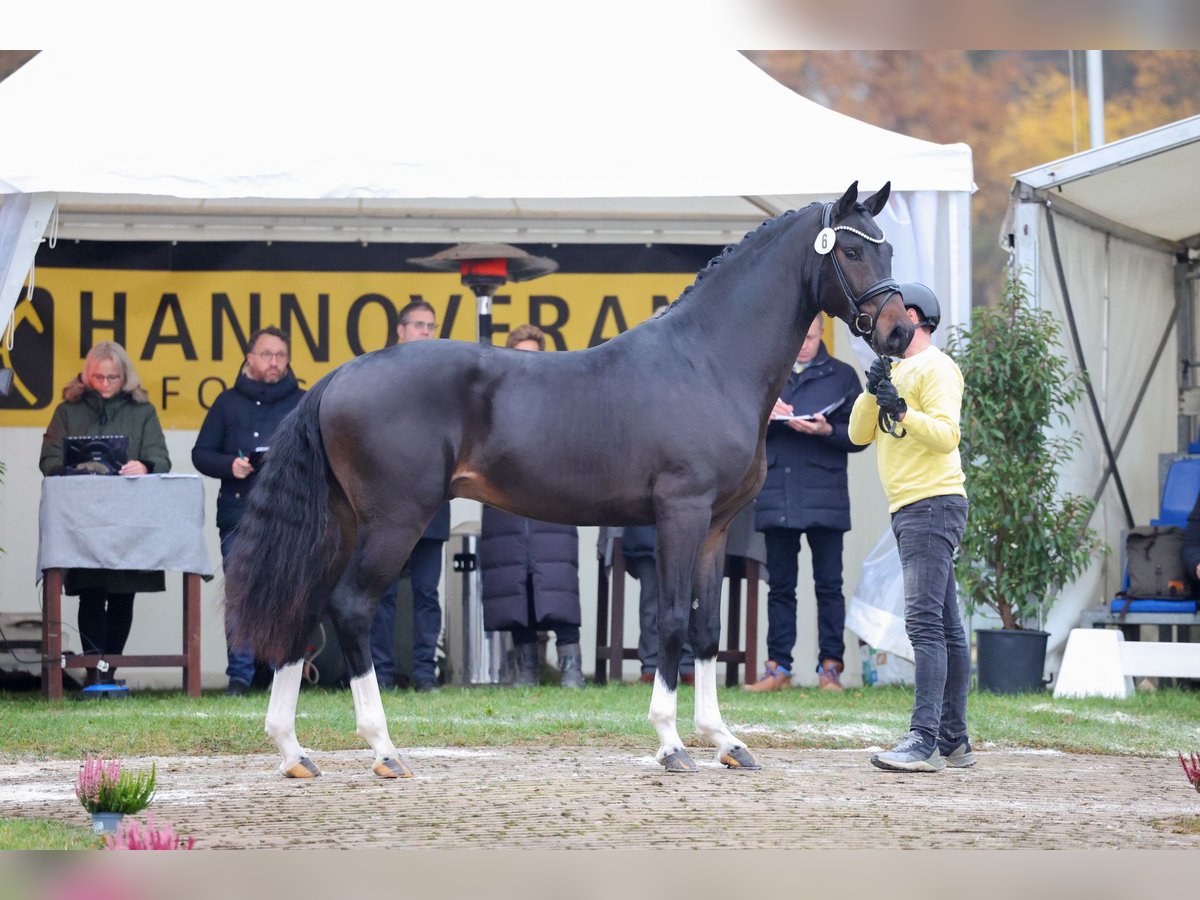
610,655
1180,489
1173,616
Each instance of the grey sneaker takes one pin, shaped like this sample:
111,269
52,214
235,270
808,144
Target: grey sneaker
912,754
957,756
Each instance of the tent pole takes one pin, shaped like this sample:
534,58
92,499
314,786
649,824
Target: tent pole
1091,391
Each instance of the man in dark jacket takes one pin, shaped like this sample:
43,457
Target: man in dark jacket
232,441
806,493
416,322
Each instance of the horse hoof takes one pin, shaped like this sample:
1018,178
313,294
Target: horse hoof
390,767
302,768
739,758
679,761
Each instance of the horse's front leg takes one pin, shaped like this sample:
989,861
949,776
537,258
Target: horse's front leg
281,722
705,634
681,532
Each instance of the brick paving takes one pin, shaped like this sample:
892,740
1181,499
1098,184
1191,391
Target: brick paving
582,797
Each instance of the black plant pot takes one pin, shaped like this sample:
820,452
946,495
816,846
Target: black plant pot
1011,661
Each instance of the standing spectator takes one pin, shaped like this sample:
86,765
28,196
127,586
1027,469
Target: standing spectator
807,493
530,574
107,399
230,447
416,322
923,479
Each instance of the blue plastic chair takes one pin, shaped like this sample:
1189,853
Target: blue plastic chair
1179,492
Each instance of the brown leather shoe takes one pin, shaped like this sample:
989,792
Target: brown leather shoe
773,679
688,678
830,675
647,678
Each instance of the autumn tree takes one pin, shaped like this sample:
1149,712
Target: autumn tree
1016,109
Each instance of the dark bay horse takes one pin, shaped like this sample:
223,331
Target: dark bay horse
663,424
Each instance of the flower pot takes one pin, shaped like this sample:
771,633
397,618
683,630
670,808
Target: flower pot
104,822
1010,661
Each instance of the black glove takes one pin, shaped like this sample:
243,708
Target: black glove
880,370
889,399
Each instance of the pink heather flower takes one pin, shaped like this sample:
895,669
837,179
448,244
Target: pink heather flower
132,836
93,774
1192,771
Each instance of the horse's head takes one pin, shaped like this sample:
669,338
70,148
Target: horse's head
855,280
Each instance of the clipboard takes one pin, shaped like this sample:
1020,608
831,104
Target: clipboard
823,411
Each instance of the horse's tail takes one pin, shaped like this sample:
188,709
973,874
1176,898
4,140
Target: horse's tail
278,576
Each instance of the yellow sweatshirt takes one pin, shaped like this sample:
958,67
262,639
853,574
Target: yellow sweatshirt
924,463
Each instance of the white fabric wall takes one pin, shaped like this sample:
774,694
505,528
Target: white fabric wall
1123,296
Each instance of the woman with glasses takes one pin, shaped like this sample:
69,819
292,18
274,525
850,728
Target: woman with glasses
232,442
107,399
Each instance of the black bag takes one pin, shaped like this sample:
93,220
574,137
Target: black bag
1154,560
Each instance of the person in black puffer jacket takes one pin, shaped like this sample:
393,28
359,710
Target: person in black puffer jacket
530,575
232,442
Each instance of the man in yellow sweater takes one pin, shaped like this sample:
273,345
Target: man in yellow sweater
923,479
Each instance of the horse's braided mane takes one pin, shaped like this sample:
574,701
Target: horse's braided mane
769,227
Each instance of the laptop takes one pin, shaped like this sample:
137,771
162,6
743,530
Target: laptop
95,454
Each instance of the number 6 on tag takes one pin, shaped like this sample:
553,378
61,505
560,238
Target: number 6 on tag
826,238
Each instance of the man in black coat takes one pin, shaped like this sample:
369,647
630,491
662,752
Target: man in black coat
232,441
807,493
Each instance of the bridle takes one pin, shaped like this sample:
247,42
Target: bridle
862,324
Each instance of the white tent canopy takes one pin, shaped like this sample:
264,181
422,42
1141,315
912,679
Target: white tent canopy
1126,221
569,144
572,145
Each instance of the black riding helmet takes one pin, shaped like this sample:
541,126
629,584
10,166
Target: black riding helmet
917,296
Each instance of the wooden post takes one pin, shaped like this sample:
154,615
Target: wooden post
191,633
616,641
52,683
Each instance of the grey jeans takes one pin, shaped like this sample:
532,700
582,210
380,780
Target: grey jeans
927,533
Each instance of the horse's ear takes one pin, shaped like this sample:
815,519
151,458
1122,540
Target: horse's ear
876,201
846,205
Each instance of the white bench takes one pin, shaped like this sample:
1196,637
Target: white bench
1099,662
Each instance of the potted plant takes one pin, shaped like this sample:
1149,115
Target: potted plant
1024,538
109,791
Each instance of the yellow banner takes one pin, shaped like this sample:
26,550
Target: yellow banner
185,330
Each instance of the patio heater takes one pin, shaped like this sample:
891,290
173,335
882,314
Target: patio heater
484,268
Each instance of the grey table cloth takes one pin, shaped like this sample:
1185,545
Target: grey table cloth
150,522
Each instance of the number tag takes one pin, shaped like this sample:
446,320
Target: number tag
825,241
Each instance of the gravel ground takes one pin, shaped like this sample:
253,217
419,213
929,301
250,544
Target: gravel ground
584,798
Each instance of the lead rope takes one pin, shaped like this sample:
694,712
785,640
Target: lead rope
887,421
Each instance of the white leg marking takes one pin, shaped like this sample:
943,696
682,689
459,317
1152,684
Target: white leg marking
662,716
708,716
368,711
281,714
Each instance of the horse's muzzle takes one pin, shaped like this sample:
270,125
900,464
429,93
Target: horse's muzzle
895,341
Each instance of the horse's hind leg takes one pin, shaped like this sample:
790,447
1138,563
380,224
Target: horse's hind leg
375,563
705,635
281,722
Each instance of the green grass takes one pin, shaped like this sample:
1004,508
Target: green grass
45,834
170,724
